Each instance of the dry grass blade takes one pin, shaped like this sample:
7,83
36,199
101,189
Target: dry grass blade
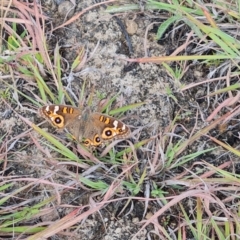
81,13
201,133
171,203
229,148
56,227
73,218
226,103
159,60
168,167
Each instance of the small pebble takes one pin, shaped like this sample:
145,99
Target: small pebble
132,26
66,8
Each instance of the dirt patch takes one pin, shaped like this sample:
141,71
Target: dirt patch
107,72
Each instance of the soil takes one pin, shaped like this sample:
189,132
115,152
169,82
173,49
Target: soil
107,73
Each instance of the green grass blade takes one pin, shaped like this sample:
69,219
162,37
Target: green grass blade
60,147
125,108
165,25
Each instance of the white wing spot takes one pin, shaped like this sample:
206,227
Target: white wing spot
56,108
47,108
115,124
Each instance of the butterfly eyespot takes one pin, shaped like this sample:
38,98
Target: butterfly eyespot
97,139
108,133
86,142
58,120
120,130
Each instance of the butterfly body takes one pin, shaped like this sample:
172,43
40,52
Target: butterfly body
92,129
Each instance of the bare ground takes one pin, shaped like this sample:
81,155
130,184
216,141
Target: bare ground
108,73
